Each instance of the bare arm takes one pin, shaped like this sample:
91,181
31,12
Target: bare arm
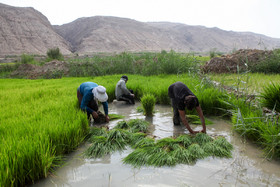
185,122
200,114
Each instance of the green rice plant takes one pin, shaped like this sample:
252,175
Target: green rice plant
99,148
119,138
138,125
115,116
182,155
196,152
136,138
148,102
97,131
184,140
140,156
162,158
167,143
211,149
194,119
270,97
223,143
121,125
202,138
144,142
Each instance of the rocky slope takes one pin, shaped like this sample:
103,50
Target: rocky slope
112,34
25,30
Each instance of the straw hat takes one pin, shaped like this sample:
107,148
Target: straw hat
100,94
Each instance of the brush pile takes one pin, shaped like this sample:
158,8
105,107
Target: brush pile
184,149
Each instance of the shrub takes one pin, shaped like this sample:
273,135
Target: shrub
54,54
26,59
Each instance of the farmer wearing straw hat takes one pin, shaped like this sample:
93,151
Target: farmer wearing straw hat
182,98
122,93
88,94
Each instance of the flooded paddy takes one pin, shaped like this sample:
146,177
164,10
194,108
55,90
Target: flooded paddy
247,167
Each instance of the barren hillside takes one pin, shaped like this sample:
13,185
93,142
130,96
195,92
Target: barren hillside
25,30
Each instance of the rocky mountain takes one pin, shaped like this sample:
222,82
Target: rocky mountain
112,34
25,30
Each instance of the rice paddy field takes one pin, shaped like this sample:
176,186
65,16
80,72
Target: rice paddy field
40,121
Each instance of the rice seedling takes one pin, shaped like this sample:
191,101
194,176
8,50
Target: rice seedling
194,119
148,102
182,155
115,116
223,143
144,142
138,125
99,148
136,137
139,157
121,125
161,158
202,138
196,152
184,140
167,143
119,138
96,131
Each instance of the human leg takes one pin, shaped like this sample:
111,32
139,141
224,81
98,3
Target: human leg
176,116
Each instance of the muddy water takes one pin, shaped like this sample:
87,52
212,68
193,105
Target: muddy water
246,168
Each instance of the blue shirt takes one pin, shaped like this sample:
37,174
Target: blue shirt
86,91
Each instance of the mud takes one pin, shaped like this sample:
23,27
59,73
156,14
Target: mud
247,167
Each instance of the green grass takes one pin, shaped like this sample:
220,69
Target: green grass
252,83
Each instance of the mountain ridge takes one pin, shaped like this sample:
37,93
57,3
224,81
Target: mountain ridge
26,30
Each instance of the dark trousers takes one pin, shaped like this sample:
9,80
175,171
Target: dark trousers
92,104
127,98
176,115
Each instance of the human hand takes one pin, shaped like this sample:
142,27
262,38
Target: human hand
107,118
203,131
132,95
95,115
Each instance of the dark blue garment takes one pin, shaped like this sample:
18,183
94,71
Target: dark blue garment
86,91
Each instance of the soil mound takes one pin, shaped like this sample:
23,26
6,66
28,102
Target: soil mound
241,58
52,69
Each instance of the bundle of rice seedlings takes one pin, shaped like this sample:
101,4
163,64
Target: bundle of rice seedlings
118,138
196,152
162,158
115,116
202,138
168,143
182,155
136,137
138,125
139,157
97,131
223,143
98,148
184,140
209,149
144,142
121,125
194,119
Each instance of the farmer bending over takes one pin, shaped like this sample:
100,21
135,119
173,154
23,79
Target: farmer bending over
122,93
181,98
88,94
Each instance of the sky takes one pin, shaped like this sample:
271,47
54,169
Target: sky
258,16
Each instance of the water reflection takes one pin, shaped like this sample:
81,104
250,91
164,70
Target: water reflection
246,168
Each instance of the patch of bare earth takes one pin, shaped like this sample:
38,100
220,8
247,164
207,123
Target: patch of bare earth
48,70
